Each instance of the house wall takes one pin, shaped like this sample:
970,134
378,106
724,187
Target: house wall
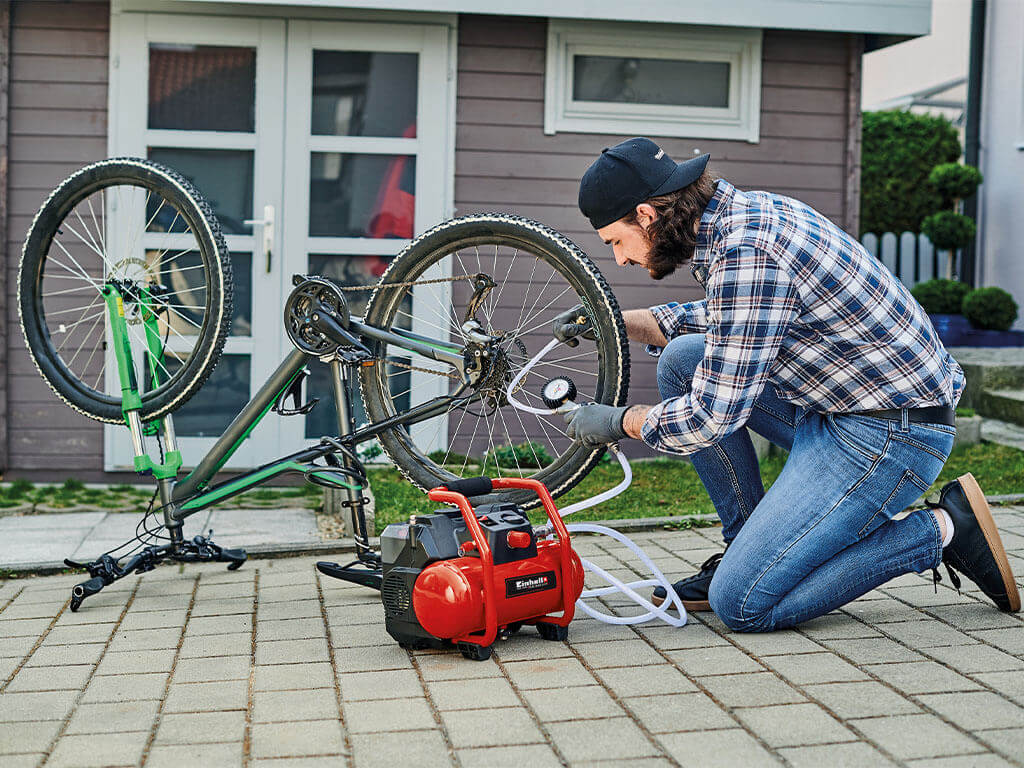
58,122
1001,227
809,148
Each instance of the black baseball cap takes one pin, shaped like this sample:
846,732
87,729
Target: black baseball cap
629,173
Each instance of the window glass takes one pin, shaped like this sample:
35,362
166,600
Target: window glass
202,88
218,401
651,81
358,195
223,176
359,93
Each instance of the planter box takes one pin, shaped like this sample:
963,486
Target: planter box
955,331
979,338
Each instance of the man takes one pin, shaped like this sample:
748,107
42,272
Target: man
810,342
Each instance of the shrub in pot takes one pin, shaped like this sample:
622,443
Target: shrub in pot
942,299
991,311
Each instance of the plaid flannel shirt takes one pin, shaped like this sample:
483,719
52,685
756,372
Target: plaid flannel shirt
795,303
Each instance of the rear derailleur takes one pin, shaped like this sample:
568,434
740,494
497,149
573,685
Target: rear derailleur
105,569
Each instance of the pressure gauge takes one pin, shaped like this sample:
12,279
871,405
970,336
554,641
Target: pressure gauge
558,391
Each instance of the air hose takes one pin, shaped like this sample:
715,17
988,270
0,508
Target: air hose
628,589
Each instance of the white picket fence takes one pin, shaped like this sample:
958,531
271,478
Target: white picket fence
910,256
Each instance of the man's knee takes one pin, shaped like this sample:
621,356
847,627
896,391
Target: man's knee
729,595
678,362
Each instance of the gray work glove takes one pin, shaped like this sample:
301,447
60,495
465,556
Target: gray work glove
566,326
596,424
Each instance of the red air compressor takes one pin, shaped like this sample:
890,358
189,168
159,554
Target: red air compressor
464,576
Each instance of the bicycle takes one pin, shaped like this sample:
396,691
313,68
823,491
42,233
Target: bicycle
125,301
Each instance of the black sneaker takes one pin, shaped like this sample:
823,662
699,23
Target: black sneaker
976,549
693,591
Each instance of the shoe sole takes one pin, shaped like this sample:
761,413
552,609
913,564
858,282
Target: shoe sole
982,513
689,605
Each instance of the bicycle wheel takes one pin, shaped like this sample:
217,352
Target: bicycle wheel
144,229
537,273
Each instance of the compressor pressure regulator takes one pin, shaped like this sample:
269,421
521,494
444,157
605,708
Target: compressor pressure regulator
558,391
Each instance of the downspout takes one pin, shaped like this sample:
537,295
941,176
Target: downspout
972,130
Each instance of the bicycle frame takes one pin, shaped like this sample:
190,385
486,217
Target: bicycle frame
192,493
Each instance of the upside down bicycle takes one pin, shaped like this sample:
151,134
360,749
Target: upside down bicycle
125,300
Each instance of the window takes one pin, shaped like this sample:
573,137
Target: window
659,80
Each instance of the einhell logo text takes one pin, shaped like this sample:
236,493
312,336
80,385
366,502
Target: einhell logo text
524,585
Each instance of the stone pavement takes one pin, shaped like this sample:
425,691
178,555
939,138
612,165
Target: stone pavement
31,542
274,665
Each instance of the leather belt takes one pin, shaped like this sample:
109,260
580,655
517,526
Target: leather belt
933,414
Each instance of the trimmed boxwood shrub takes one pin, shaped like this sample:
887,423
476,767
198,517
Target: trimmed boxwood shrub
898,152
941,297
948,230
990,308
954,181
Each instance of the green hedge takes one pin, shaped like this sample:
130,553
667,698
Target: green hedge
990,308
898,152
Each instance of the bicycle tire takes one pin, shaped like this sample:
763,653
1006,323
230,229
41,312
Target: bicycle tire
104,177
565,258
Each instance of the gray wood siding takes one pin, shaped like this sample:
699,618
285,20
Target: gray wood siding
58,122
505,162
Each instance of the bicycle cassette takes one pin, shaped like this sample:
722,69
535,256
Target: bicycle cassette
312,296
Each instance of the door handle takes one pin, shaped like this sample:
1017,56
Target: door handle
266,225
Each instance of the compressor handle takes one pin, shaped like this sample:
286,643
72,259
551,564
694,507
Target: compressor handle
471,486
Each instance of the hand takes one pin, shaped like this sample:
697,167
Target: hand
596,424
566,326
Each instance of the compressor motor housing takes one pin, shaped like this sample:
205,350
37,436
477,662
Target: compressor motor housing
463,576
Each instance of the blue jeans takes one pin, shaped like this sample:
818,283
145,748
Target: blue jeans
824,532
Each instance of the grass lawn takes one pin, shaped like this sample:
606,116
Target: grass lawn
670,487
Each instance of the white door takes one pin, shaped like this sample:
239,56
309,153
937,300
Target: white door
297,120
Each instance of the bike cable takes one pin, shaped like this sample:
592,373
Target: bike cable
615,585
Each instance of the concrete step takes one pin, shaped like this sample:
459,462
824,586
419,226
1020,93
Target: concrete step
994,369
1002,404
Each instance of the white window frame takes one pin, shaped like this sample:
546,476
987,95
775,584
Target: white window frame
740,48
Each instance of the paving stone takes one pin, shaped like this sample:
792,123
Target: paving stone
154,619
201,728
212,669
490,727
974,615
98,750
451,666
809,668
58,655
976,658
16,647
548,673
1009,684
853,755
691,635
990,760
619,653
219,625
145,639
382,657
751,690
792,725
113,717
861,699
387,750
924,633
1010,741
835,626
726,747
85,633
177,755
921,677
23,627
397,684
580,703
291,651
290,629
286,677
1010,640
976,710
224,607
473,693
202,646
646,681
912,736
315,737
778,643
280,706
387,715
527,646
717,660
296,609
679,712
125,688
586,630
615,739
51,705
50,678
131,662
533,755
27,737
873,650
207,697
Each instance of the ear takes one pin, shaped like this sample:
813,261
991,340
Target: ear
646,215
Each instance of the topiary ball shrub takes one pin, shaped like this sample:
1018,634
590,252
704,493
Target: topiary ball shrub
949,231
940,297
954,181
990,308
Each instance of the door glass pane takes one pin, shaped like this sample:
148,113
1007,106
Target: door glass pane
202,87
651,81
224,176
182,273
348,270
357,93
219,400
354,195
